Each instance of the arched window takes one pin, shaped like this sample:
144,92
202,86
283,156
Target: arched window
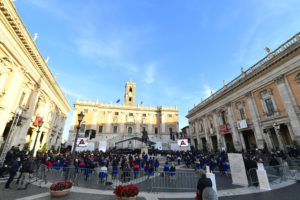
130,130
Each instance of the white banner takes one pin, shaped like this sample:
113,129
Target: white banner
242,124
102,146
89,147
237,168
82,142
183,142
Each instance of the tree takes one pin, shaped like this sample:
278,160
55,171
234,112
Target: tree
26,146
44,148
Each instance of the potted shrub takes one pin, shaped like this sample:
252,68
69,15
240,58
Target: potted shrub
60,188
118,191
128,192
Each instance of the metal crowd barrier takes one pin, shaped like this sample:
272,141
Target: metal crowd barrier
94,178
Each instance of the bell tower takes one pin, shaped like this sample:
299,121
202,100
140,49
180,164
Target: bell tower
130,93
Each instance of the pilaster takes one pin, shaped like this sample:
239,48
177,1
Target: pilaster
235,137
255,119
288,101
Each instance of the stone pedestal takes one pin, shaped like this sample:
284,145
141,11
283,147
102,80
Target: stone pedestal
144,149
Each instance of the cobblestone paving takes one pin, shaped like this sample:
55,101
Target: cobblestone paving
15,194
288,193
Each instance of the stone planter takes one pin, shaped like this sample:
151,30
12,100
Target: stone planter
126,198
59,193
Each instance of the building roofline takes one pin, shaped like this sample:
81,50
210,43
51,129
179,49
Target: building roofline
256,68
32,50
123,106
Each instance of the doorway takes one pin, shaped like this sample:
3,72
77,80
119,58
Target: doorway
249,139
229,142
214,143
285,134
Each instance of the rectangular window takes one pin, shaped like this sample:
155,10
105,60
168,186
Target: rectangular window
170,130
270,105
170,115
100,129
156,130
116,113
115,129
82,128
242,114
144,115
131,114
144,129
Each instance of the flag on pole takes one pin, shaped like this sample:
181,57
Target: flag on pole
141,102
118,101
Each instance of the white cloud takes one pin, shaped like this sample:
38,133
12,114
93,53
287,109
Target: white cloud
150,70
207,90
71,93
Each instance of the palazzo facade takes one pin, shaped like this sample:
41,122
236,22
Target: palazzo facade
28,90
113,122
258,109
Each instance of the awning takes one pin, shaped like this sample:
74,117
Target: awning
135,138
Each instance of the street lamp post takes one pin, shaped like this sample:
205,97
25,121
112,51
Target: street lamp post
80,117
40,124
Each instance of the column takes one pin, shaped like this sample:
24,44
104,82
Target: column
196,124
95,119
255,119
163,123
242,140
28,116
3,79
269,140
288,102
71,131
290,131
235,137
108,122
137,123
9,97
209,145
122,123
219,138
280,140
150,123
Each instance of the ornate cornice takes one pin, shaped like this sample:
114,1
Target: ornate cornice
266,91
30,49
280,79
253,71
297,78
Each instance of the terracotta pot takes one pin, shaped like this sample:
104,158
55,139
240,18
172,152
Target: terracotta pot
132,198
59,193
126,198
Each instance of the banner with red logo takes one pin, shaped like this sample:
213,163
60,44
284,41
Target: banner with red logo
223,128
37,119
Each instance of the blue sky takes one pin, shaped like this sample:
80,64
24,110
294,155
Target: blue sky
176,51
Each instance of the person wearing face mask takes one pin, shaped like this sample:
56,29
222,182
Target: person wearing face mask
12,172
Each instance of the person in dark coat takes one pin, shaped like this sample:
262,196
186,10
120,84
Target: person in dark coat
26,169
203,182
9,159
12,172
